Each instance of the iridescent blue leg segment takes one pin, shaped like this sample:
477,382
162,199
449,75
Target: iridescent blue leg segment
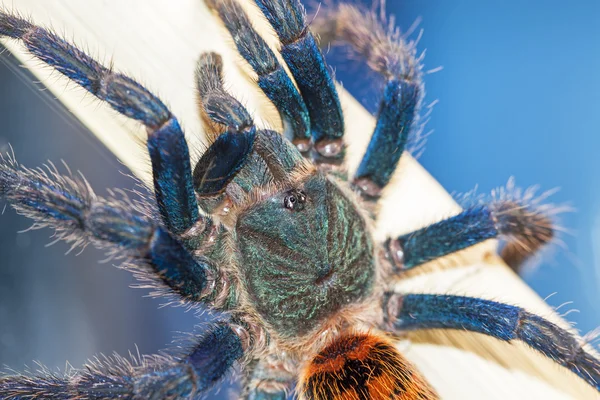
166,143
396,116
307,65
272,78
125,229
220,106
524,226
229,151
502,321
209,359
388,53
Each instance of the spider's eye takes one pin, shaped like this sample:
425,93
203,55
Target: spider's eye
294,200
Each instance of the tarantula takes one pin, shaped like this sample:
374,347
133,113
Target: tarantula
272,231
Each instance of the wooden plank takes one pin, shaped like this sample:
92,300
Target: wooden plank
158,43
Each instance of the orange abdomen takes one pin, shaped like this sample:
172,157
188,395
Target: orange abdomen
362,366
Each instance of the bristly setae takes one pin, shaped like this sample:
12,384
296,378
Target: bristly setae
268,226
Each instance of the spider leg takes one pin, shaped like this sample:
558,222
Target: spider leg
220,106
502,321
166,142
308,67
229,151
524,223
156,377
388,53
272,78
124,228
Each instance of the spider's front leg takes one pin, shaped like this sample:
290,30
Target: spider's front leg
69,205
208,359
502,321
166,142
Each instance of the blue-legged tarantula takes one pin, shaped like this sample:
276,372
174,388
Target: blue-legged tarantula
272,231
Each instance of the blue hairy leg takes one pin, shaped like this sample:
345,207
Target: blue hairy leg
523,223
230,151
221,107
308,67
388,53
166,143
122,227
220,163
502,321
209,359
272,78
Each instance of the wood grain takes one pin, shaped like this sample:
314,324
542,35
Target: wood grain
158,43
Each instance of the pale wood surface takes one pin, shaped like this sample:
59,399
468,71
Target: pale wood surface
158,43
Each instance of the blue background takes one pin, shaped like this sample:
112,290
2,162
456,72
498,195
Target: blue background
519,96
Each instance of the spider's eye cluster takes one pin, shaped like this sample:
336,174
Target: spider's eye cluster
294,200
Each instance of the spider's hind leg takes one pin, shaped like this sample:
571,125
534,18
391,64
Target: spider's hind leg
502,321
158,377
388,53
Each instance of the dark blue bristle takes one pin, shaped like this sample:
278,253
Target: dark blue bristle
176,267
207,363
13,26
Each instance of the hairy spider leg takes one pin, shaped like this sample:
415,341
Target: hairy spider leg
307,65
502,321
166,143
272,78
243,145
525,227
221,107
124,228
230,151
362,366
387,52
157,377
